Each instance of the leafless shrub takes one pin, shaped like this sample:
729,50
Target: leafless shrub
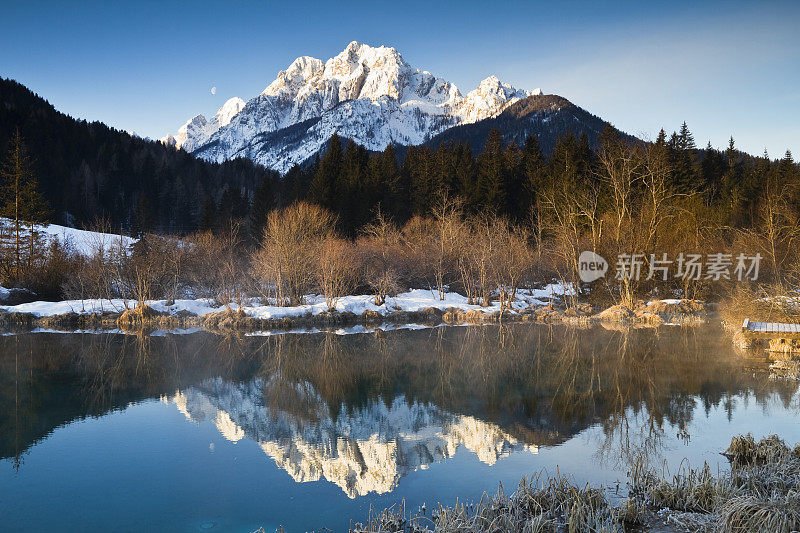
101,267
381,258
145,272
763,302
286,261
482,256
447,228
513,258
566,213
415,244
335,272
232,267
202,252
211,265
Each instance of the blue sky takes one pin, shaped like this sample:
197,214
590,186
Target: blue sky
727,68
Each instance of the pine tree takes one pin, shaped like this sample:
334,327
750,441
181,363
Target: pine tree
20,199
534,167
417,166
208,215
467,177
789,176
443,169
712,172
492,183
353,200
392,188
514,177
684,156
143,216
734,193
323,186
569,164
295,185
686,138
263,203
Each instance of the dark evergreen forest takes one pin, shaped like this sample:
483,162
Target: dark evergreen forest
87,170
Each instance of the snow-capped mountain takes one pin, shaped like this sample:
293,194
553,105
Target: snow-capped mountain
369,94
198,130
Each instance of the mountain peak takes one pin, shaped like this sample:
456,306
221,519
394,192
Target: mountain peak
361,51
367,93
228,110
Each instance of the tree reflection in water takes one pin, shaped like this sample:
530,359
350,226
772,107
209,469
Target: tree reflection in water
522,385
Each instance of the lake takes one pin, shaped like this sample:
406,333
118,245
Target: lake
199,432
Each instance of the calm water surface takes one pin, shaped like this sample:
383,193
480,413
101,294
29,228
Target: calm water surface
110,432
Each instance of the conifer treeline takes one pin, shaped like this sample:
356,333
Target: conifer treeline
508,180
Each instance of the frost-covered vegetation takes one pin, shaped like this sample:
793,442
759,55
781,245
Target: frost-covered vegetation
758,494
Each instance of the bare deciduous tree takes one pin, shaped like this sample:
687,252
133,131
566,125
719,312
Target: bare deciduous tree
447,222
381,258
287,258
513,258
336,270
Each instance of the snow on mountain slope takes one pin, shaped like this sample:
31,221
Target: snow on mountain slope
197,130
369,94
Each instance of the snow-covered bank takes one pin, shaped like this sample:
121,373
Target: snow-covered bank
352,314
412,301
412,306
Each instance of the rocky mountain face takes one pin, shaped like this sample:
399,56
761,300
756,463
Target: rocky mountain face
197,130
364,450
368,94
547,116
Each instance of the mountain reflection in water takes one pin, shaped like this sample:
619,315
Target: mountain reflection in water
366,450
362,411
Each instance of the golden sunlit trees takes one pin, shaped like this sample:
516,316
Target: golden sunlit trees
286,261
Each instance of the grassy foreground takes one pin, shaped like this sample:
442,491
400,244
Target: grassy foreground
760,493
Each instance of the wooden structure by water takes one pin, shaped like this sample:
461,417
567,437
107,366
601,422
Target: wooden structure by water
782,337
771,329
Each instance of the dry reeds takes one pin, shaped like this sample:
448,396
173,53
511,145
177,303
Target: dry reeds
542,504
761,493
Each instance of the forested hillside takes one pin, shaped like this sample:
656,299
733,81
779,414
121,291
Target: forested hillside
547,116
530,209
88,170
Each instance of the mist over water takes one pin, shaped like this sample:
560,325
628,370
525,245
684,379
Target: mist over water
202,432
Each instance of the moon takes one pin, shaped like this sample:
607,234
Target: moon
214,90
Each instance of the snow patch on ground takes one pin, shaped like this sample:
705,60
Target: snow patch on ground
83,241
671,301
